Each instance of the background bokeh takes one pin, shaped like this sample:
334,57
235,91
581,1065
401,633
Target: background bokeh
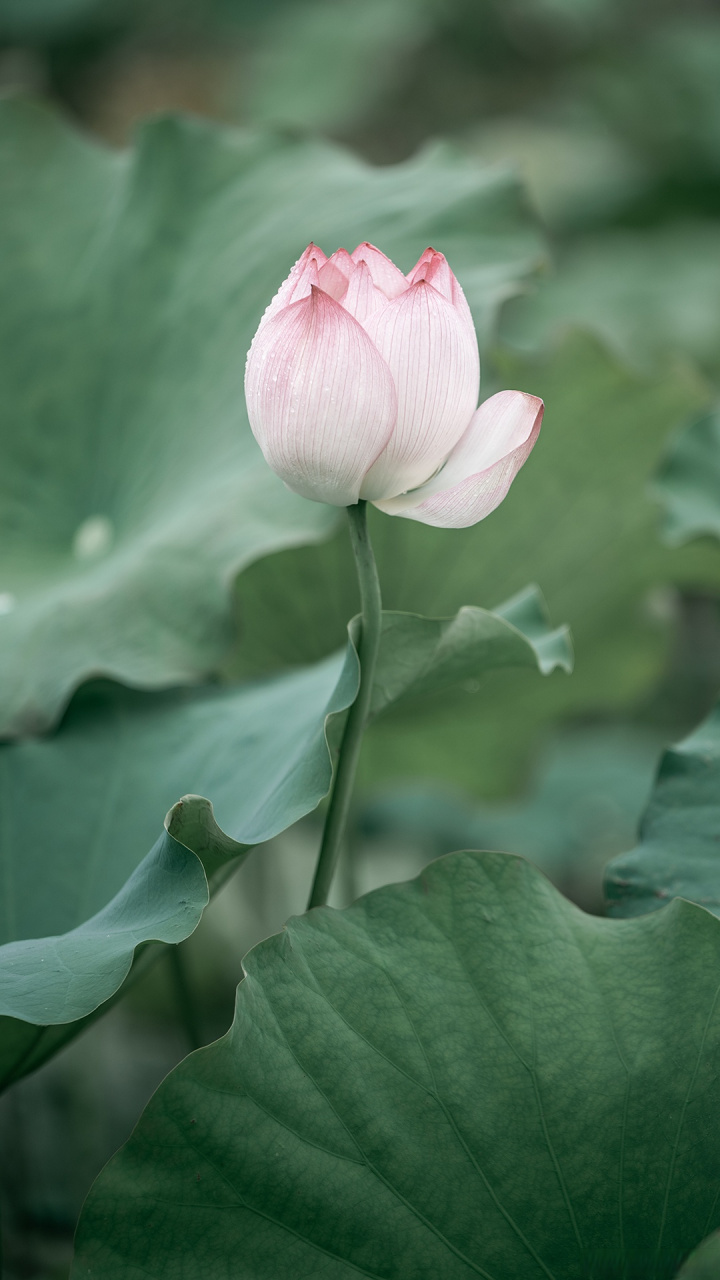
609,112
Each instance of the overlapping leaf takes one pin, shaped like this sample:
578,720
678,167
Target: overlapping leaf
678,854
81,809
415,1086
704,1262
131,489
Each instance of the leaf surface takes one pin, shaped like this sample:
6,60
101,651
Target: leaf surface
678,853
81,809
460,1076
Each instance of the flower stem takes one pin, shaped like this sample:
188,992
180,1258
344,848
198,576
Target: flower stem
368,647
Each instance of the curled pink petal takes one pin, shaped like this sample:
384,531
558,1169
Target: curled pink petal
298,283
385,275
433,358
435,268
320,398
362,297
481,467
334,274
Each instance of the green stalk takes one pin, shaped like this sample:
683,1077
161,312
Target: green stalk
183,996
368,647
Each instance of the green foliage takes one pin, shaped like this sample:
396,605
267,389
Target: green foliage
80,809
420,656
687,482
704,1262
679,850
415,1086
580,809
131,489
323,64
575,520
648,294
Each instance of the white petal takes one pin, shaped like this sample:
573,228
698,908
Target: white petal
433,358
298,283
385,275
481,467
321,400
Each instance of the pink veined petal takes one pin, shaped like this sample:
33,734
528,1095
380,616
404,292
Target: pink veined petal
481,467
362,297
433,358
297,284
321,400
385,275
334,274
434,267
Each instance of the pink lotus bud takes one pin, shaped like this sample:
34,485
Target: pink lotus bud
362,383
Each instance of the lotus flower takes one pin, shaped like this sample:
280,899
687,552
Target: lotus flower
363,383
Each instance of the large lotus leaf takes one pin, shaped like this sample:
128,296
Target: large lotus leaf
80,809
647,294
131,489
576,520
460,1076
678,854
687,482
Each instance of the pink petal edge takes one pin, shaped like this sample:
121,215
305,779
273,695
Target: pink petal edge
481,467
297,284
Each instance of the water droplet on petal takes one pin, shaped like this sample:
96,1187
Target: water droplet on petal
93,538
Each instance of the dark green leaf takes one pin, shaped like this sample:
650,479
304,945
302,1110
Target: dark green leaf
678,855
131,489
461,1076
